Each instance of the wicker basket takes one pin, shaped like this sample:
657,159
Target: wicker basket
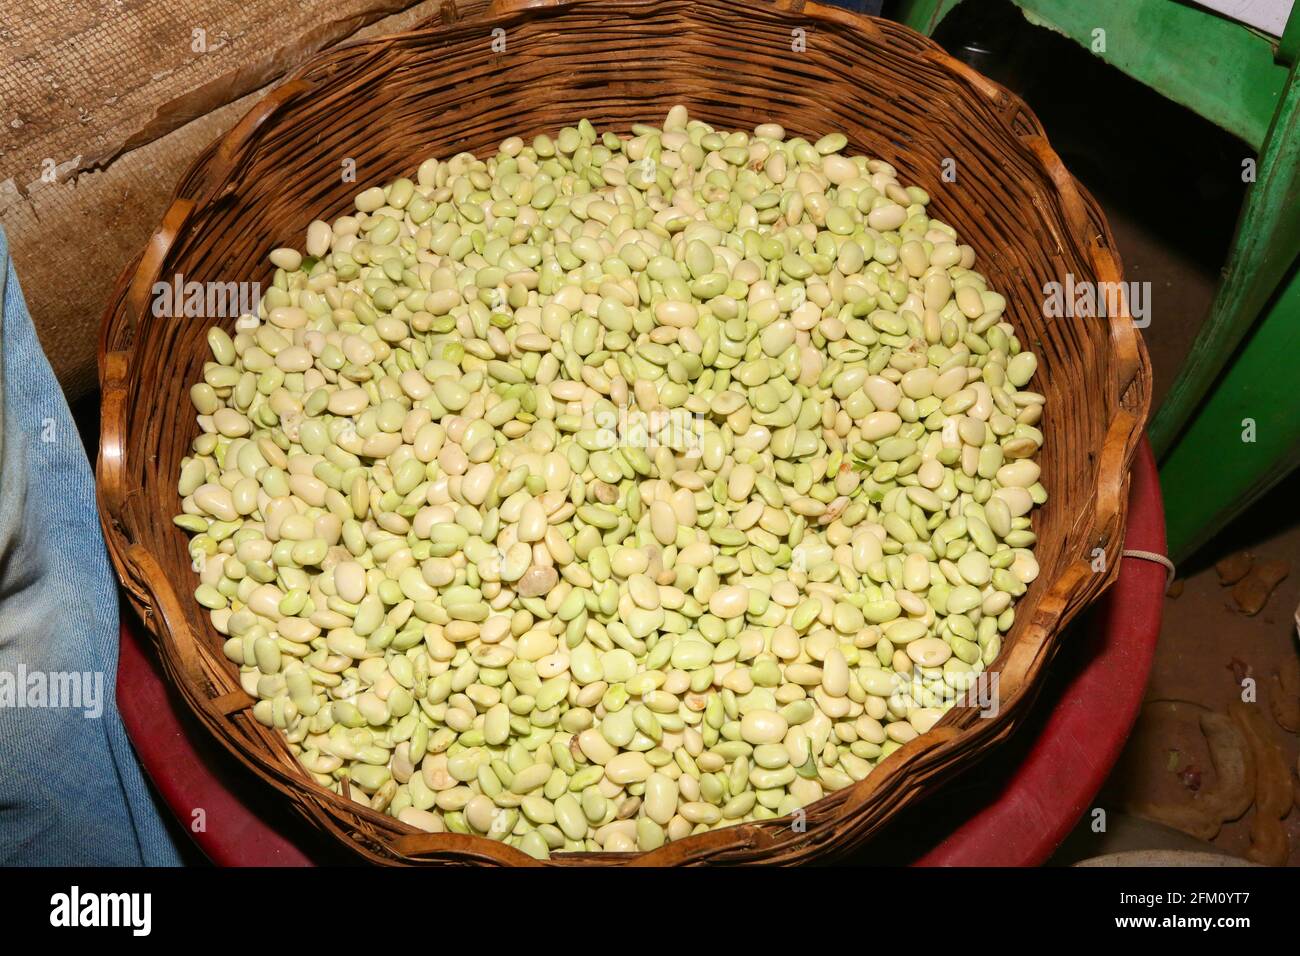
388,103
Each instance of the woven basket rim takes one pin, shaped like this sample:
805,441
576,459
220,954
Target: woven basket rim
150,591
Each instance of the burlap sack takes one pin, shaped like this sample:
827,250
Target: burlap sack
103,105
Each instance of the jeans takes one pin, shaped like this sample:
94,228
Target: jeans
71,791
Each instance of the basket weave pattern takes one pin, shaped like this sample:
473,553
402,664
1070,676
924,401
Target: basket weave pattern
391,102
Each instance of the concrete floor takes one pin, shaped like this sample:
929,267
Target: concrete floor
1170,184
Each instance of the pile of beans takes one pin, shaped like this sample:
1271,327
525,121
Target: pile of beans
614,489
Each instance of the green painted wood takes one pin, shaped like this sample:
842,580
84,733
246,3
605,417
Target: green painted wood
1214,66
1212,475
1288,49
923,16
1264,249
1220,69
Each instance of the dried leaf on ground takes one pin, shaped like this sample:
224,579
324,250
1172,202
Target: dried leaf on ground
1251,593
1284,694
1269,843
1204,814
1234,567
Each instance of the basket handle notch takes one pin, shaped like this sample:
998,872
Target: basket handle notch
230,154
140,291
112,440
112,449
162,598
501,8
1113,490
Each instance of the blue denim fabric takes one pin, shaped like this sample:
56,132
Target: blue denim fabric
71,792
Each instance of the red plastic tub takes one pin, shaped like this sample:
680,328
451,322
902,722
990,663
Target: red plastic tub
1015,812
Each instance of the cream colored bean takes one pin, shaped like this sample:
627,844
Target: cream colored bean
729,602
928,651
763,727
835,673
